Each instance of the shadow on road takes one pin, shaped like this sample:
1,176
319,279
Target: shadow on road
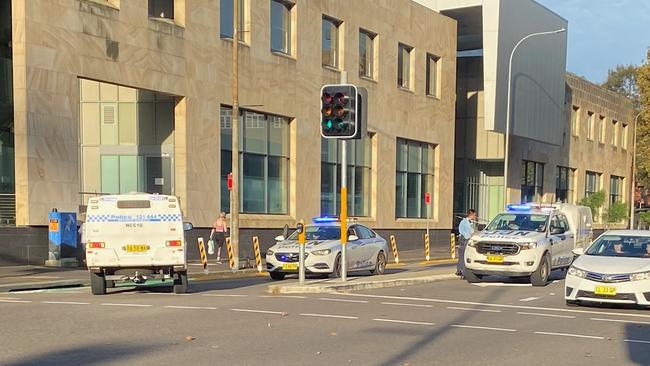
637,340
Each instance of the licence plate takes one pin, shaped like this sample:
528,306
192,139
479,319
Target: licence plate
131,248
605,290
290,266
495,259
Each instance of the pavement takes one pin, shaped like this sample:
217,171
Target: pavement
236,322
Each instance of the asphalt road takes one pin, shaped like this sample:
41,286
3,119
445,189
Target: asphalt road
234,322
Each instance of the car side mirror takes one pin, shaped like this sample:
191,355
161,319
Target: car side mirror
578,251
187,226
557,230
353,238
279,238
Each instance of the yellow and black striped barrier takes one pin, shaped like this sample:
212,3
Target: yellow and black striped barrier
231,259
204,257
426,247
452,246
393,245
258,255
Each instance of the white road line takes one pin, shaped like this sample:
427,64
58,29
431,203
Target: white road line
9,298
403,321
485,328
132,305
330,316
619,321
224,295
282,297
258,311
569,335
547,315
636,341
16,301
343,300
522,307
532,298
406,304
191,307
471,309
66,302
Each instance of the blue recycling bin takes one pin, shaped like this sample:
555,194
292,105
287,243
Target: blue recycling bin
62,235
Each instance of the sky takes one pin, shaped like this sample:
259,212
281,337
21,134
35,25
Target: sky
603,34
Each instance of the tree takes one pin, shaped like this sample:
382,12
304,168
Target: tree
623,80
643,125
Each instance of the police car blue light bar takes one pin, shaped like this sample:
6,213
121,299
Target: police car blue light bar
518,208
325,219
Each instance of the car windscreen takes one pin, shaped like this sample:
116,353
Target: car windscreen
621,246
319,233
519,221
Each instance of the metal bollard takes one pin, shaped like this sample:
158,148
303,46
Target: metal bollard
393,244
258,255
204,258
453,246
426,247
231,259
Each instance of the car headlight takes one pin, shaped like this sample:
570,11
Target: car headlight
640,276
471,243
577,272
321,252
270,252
526,246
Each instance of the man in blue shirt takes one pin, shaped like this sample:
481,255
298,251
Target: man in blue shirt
465,230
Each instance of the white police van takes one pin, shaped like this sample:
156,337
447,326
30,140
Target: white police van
136,237
528,240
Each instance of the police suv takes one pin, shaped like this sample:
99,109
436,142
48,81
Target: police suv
528,240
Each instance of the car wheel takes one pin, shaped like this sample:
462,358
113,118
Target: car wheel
540,276
180,283
336,273
572,303
472,277
277,276
380,266
97,283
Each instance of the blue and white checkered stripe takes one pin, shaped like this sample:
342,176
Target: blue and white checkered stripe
134,218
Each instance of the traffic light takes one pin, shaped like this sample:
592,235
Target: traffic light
340,117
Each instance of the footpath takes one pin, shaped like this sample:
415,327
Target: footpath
412,269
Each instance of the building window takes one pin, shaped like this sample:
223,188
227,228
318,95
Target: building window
432,75
264,161
590,126
624,136
592,183
563,180
226,12
7,156
359,167
413,179
602,127
366,53
575,121
404,66
532,181
281,26
330,41
614,139
615,189
161,9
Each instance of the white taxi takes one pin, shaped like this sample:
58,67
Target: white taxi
366,250
614,269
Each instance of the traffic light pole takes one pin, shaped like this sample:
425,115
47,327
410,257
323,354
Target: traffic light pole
234,193
344,199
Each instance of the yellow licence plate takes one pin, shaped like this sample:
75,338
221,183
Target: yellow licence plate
605,290
136,248
290,266
495,259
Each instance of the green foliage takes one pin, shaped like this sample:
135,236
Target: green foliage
643,125
594,201
623,80
617,212
645,216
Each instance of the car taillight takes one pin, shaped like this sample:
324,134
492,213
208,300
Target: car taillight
95,244
174,243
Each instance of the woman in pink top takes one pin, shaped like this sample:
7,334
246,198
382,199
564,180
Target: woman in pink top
218,233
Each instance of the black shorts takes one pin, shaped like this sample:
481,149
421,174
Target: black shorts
219,238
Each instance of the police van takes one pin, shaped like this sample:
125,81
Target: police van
528,240
135,237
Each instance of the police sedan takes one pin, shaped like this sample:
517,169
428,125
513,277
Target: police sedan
366,250
614,269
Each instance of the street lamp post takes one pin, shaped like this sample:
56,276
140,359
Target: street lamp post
507,137
633,186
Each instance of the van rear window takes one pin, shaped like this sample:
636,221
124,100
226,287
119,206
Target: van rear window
134,204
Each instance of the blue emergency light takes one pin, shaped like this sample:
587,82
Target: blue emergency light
323,219
518,208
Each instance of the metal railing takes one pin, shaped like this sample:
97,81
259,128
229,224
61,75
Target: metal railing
7,209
